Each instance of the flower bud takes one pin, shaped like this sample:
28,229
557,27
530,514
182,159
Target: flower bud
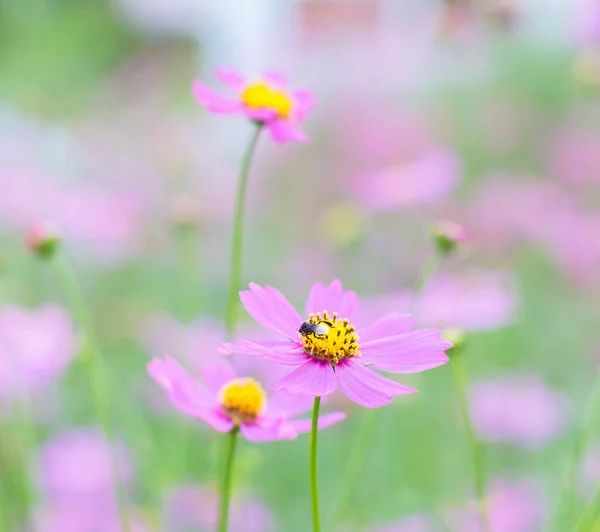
448,236
43,240
457,337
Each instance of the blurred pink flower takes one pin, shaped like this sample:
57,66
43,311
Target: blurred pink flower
412,523
227,401
105,221
587,23
74,475
512,507
574,154
326,350
195,507
428,179
471,302
36,346
517,409
268,101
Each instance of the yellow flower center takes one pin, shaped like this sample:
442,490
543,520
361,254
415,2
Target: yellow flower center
329,337
243,400
262,96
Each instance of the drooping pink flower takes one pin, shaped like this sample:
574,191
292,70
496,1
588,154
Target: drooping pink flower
227,401
425,180
519,409
331,347
268,101
36,346
195,507
512,506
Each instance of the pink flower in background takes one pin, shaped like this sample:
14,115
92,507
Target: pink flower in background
574,155
471,302
512,507
227,401
517,409
74,476
325,346
268,101
36,346
195,507
587,23
428,179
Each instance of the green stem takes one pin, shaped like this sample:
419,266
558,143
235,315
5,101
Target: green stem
314,487
226,480
459,372
237,238
569,479
360,443
95,365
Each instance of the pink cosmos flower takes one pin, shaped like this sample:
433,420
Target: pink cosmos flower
268,101
195,507
519,409
512,507
331,347
36,346
227,401
425,180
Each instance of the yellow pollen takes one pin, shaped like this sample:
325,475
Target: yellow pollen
260,95
333,338
243,400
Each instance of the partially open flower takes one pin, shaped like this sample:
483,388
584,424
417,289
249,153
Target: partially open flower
448,236
267,101
228,402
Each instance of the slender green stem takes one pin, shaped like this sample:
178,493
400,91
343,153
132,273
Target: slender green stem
314,484
232,438
237,238
459,372
95,365
567,488
360,443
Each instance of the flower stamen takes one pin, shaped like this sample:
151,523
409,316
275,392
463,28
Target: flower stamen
243,400
260,95
329,338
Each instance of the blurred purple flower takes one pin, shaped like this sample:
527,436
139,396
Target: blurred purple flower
518,409
471,302
268,101
74,476
587,23
195,507
326,350
36,346
512,507
227,401
428,179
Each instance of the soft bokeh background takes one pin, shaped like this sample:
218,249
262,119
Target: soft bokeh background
484,112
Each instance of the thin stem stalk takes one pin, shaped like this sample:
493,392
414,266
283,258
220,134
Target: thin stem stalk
237,237
232,438
96,373
314,486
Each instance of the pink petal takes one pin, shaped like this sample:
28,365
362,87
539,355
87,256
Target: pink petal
410,352
213,101
214,376
282,404
274,79
231,78
285,352
271,309
262,431
261,114
305,425
284,131
216,419
389,325
332,299
313,378
367,388
305,101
